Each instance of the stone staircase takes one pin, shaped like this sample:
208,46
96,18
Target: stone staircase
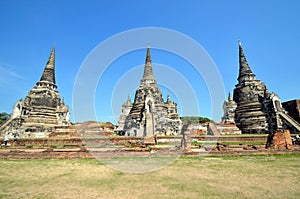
212,129
10,125
5,125
290,121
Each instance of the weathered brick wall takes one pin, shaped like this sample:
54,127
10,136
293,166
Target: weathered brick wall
280,139
125,140
50,154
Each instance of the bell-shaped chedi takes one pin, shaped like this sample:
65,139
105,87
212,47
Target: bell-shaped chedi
249,94
149,114
258,110
229,107
41,110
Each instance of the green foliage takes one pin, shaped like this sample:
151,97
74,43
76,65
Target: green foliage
194,119
2,121
243,143
3,117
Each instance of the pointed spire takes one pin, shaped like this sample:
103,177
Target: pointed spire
128,100
229,97
148,56
168,98
244,66
49,71
148,74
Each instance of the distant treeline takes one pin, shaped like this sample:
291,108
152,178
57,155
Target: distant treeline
194,119
3,117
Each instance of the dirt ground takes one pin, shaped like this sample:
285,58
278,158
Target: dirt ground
275,176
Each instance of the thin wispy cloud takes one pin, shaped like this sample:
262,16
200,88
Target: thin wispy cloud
7,72
8,76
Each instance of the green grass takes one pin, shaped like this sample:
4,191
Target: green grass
243,143
246,135
168,143
203,143
255,176
59,145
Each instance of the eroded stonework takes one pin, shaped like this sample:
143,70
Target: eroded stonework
41,110
258,110
149,114
229,107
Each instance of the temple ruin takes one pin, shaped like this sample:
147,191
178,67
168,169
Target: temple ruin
228,125
41,110
258,110
149,114
293,109
229,107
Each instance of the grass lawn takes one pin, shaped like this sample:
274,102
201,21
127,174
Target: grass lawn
274,176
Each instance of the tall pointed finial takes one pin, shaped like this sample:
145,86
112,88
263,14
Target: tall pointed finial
244,66
148,74
128,98
148,56
168,98
49,71
128,102
229,97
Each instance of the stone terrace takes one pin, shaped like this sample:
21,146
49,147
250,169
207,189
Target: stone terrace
130,146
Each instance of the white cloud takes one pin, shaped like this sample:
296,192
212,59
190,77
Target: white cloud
8,75
5,71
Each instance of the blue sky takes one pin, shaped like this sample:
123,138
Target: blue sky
268,30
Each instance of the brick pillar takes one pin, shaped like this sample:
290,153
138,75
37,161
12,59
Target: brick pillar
186,141
280,139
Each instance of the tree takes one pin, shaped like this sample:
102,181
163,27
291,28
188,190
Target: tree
194,119
3,117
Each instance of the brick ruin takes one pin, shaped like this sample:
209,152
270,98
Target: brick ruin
258,111
293,109
228,125
41,110
252,109
149,114
279,139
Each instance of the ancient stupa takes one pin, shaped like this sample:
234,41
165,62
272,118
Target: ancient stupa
229,107
258,110
149,114
41,110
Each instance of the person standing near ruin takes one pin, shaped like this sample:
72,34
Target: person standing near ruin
5,140
15,134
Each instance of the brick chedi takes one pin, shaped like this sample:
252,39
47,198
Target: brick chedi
258,110
249,94
229,108
149,114
41,110
126,107
228,125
